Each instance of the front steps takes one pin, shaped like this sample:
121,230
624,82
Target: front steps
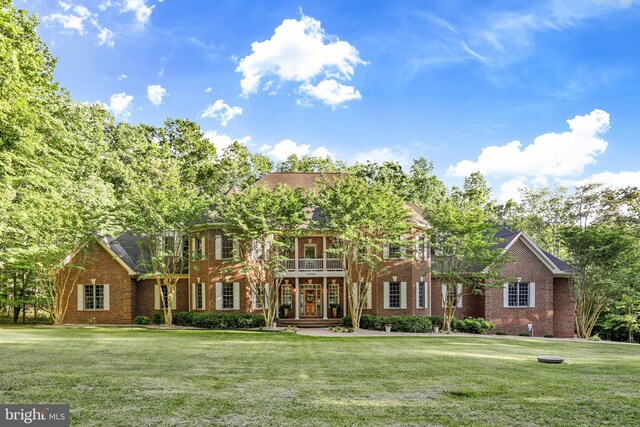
310,322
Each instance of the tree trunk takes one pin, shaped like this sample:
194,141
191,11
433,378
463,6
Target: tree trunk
16,306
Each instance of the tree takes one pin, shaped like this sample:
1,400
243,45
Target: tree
265,223
466,250
164,192
607,258
362,217
425,188
310,164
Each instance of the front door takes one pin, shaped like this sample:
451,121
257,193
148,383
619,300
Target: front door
310,302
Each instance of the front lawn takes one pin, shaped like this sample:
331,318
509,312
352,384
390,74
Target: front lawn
137,377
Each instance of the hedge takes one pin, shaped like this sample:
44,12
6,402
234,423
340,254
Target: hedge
399,323
472,325
218,321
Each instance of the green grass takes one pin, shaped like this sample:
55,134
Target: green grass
138,377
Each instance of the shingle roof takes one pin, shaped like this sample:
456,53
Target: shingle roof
305,180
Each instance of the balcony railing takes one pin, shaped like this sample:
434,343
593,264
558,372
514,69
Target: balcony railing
314,264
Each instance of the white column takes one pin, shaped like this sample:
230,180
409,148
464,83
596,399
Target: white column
297,291
324,297
324,254
344,295
295,266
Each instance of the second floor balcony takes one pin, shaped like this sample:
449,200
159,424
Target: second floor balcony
314,264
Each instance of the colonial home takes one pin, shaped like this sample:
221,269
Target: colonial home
111,290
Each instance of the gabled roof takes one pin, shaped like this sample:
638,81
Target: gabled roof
304,180
553,263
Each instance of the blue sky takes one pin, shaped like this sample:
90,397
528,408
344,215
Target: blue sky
458,82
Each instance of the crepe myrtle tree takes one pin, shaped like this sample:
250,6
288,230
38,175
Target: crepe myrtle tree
362,217
467,258
264,222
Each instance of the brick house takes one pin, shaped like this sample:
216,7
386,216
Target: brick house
110,289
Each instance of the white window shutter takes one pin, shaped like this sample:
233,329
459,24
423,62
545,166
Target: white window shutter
236,295
218,295
505,295
459,294
107,302
426,294
386,295
385,251
80,297
418,294
425,254
193,246
218,247
203,241
403,294
532,294
156,292
369,303
203,306
254,301
194,300
444,294
175,298
403,248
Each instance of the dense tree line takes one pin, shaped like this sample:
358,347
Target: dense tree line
69,173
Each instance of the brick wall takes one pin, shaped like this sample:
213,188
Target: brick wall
563,308
102,267
515,320
145,297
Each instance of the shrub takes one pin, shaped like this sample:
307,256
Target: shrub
594,338
218,321
436,321
548,335
524,334
501,332
399,323
473,326
158,318
142,320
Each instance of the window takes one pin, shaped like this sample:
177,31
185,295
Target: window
395,251
334,296
197,247
227,295
421,249
168,244
286,295
94,297
199,297
227,247
518,295
164,297
394,294
421,297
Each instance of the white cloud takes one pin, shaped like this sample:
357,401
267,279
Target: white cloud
105,5
510,190
285,148
71,21
161,72
299,51
221,141
551,154
221,111
122,77
331,92
140,8
105,37
208,90
156,93
119,105
613,179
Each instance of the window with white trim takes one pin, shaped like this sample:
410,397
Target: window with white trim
394,294
227,295
334,293
164,296
422,295
199,297
395,251
168,244
422,249
197,250
94,297
227,247
518,294
286,295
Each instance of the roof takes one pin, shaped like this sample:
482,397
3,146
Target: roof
305,180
